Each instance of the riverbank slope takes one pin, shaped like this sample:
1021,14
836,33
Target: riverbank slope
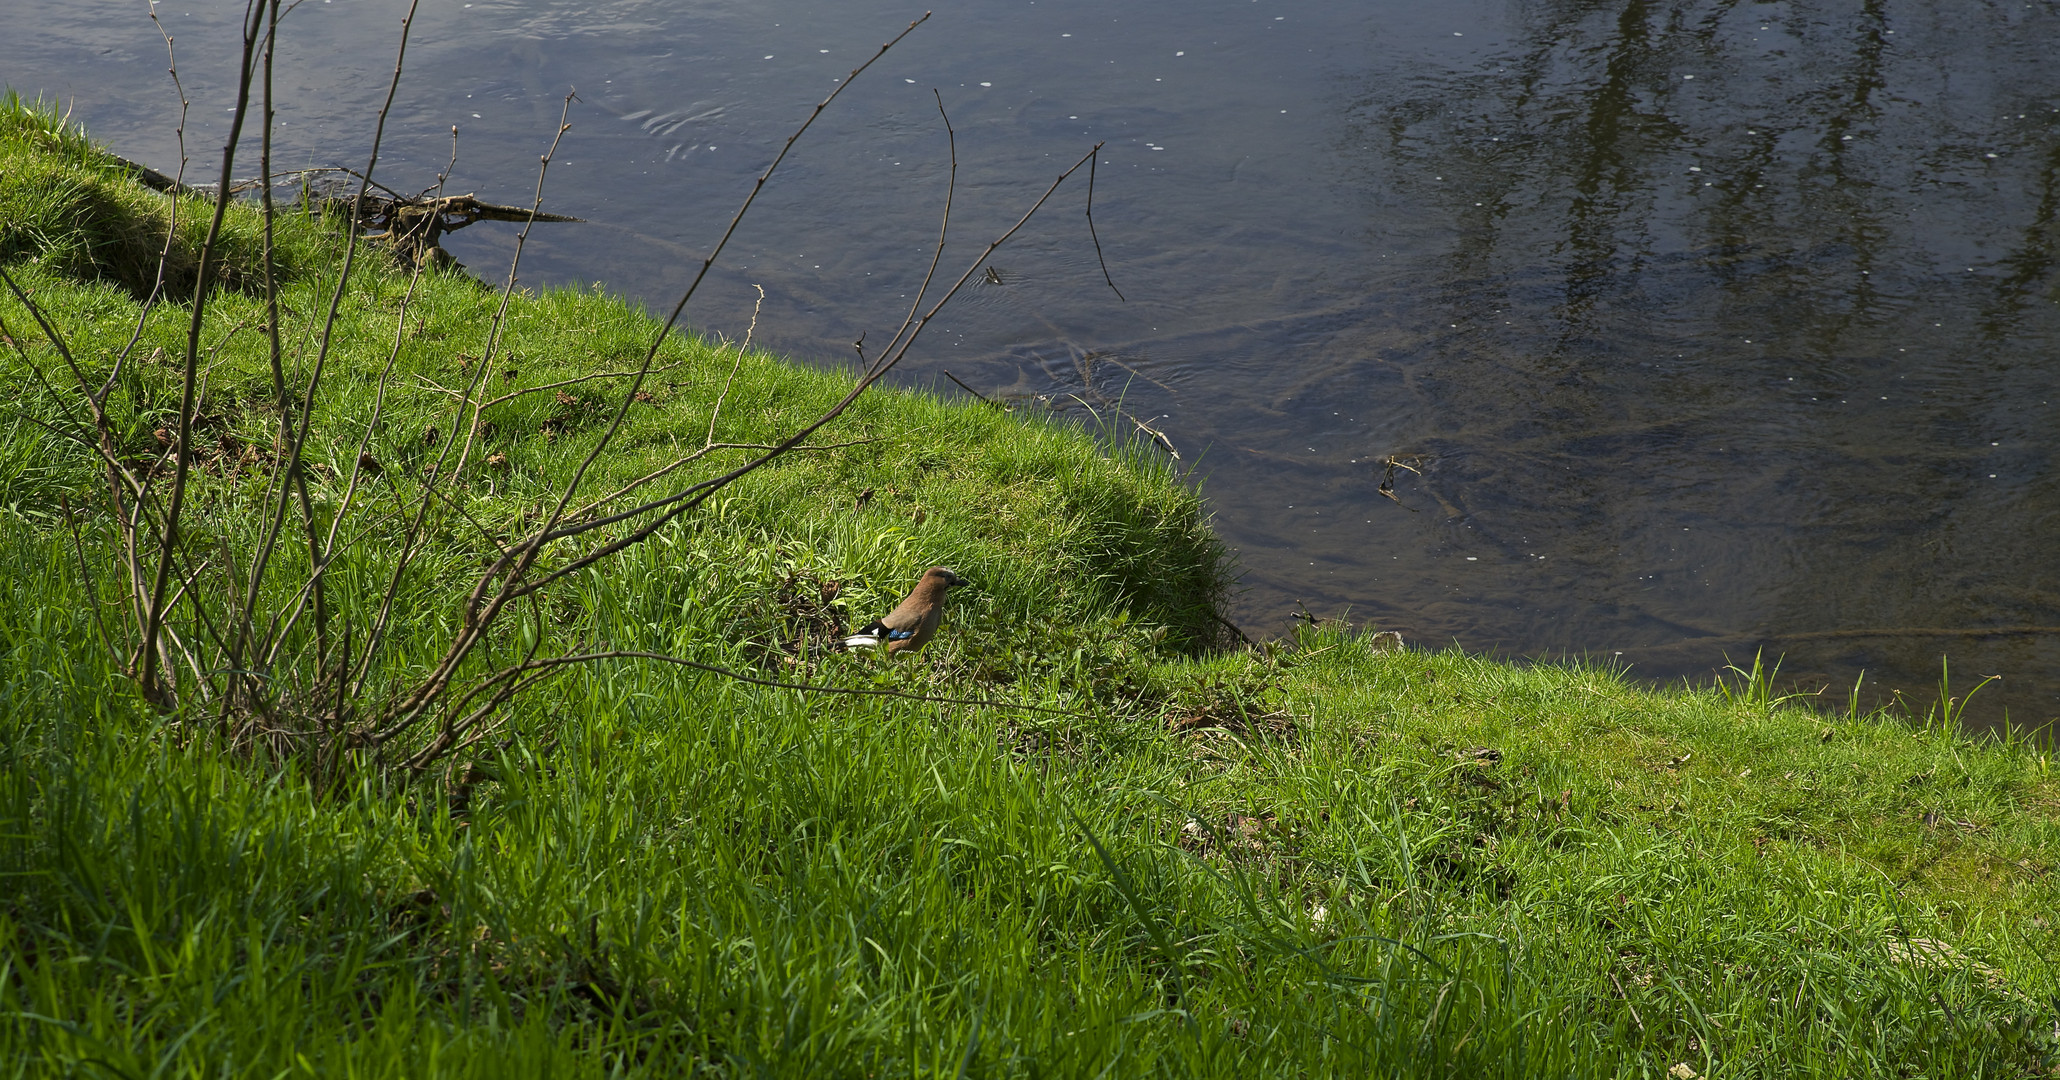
1154,855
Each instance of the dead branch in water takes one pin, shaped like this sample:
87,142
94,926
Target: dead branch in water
1390,463
413,227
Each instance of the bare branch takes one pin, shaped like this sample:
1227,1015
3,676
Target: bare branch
943,230
559,385
694,495
672,319
680,462
968,389
1098,240
715,413
158,693
479,611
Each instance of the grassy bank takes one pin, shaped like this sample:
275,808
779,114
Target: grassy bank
1320,858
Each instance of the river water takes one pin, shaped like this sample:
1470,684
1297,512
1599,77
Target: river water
1704,327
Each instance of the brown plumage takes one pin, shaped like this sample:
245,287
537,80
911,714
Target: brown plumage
912,622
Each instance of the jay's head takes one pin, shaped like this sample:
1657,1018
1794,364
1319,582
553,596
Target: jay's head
942,578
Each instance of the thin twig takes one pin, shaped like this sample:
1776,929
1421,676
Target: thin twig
694,495
943,231
697,455
154,612
479,611
93,604
1156,435
672,319
1232,626
968,389
175,185
499,324
293,481
735,366
1098,240
284,483
559,385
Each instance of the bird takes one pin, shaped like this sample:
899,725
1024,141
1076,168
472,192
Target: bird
914,620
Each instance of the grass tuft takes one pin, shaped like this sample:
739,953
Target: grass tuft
76,212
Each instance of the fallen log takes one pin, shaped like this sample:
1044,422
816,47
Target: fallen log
411,227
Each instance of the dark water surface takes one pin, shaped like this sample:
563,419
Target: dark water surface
1711,326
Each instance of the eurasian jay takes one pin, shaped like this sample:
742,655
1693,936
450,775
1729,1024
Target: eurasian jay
914,620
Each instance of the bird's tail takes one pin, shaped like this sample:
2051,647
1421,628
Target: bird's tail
870,636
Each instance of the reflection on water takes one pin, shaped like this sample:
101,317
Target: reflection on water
1752,321
1716,327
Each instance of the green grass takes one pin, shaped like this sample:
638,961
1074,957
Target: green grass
76,212
1322,859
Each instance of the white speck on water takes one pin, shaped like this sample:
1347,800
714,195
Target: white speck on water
1694,168
1992,476
1180,52
475,116
1845,138
1685,78
768,56
1990,156
1065,35
1456,33
911,82
987,84
818,50
1473,558
1072,118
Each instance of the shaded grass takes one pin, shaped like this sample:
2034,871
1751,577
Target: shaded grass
674,872
78,213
